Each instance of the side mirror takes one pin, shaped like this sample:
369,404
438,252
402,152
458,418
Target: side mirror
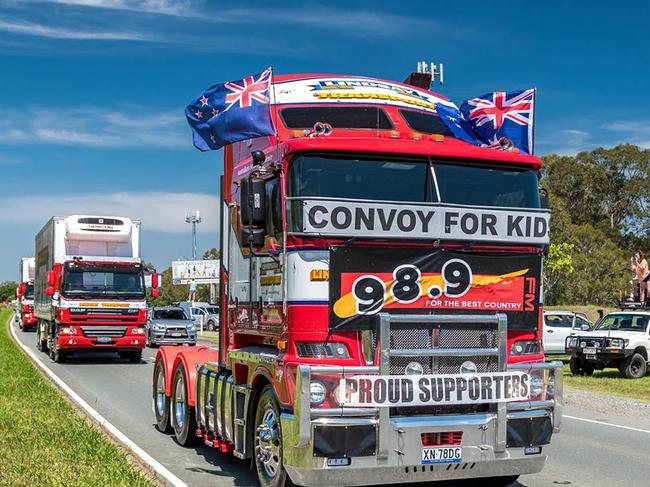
49,291
154,293
585,327
253,202
51,278
543,198
154,280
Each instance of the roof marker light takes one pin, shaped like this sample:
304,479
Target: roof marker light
438,138
394,134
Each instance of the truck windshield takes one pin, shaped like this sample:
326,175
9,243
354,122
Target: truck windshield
29,291
623,322
87,281
409,180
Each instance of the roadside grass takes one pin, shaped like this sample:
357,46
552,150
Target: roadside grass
607,382
43,440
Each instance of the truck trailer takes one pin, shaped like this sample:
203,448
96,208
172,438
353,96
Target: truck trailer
89,287
25,295
381,317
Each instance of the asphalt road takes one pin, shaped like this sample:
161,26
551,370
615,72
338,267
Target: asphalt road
593,449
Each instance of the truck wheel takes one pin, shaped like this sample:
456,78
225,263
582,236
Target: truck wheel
57,355
635,367
160,400
587,370
183,417
268,442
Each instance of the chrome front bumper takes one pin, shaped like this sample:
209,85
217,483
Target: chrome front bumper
398,455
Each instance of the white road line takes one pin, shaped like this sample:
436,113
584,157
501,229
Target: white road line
156,466
603,423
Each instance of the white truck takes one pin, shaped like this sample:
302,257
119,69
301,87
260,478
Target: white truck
89,286
619,340
25,294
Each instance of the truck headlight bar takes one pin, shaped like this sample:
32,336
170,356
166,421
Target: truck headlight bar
322,350
526,347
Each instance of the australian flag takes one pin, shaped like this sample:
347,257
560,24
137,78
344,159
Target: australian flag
495,115
230,112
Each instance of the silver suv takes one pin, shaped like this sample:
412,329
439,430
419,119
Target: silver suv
169,325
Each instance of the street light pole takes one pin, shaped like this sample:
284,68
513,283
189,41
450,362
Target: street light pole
193,218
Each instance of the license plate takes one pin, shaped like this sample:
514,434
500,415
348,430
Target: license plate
589,350
590,357
177,334
442,455
104,340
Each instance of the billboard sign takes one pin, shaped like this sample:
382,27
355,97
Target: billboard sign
195,271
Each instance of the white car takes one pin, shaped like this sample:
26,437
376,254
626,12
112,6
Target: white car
558,325
620,340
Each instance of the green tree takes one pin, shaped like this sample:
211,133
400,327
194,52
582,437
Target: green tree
8,291
558,265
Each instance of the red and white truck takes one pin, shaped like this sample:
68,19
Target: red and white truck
381,316
89,286
25,294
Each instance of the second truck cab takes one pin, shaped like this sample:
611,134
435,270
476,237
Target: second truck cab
89,286
25,295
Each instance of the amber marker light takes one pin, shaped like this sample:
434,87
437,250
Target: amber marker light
438,138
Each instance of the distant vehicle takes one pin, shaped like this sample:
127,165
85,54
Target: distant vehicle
198,310
89,287
558,325
25,295
619,340
170,325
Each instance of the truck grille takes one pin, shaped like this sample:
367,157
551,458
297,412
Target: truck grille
103,331
444,337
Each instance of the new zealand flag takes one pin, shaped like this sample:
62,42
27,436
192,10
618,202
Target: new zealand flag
230,112
501,114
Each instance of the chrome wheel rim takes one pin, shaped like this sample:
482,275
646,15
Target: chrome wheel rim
160,394
179,404
267,442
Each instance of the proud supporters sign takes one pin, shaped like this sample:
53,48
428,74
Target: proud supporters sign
436,221
426,390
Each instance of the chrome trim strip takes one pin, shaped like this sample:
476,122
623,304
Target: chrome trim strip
444,352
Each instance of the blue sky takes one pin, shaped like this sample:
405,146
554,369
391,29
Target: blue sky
92,91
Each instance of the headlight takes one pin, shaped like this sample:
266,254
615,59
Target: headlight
137,331
68,330
616,343
158,327
322,350
191,327
317,392
536,385
572,342
527,347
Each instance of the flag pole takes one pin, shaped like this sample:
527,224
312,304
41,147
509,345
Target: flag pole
532,143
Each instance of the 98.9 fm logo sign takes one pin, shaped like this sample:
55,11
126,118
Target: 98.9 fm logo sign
366,281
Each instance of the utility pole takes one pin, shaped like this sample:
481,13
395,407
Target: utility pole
193,218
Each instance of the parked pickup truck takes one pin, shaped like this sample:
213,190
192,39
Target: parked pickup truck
619,340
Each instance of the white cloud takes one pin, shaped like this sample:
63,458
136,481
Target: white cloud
567,142
633,131
39,30
94,127
161,211
164,7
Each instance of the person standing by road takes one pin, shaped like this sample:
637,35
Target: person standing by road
642,274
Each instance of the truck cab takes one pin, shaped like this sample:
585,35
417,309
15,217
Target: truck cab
90,290
377,274
25,295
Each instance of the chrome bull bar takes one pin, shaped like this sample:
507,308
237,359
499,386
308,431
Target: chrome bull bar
304,412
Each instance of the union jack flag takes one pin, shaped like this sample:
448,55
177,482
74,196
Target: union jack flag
501,114
249,89
232,111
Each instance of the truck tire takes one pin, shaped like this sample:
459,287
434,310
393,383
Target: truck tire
635,367
41,344
268,442
58,356
579,367
574,366
160,400
183,417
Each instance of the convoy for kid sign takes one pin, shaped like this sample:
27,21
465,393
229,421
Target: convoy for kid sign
367,280
435,221
426,390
